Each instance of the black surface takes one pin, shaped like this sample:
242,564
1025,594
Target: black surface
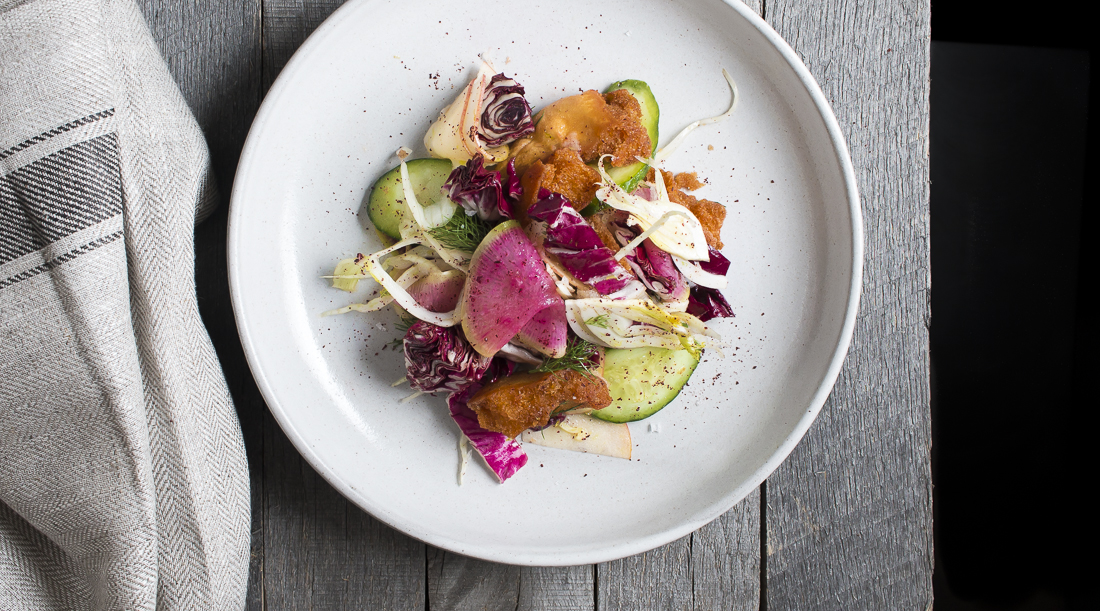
1013,331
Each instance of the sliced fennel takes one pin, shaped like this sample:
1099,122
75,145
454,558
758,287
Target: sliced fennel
397,273
454,135
408,269
680,234
635,323
348,273
670,148
695,273
629,248
424,219
398,292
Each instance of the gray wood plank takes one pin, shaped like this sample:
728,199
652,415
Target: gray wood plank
849,514
830,529
569,588
213,52
286,24
725,559
304,524
460,582
756,5
323,552
454,581
657,579
384,568
716,567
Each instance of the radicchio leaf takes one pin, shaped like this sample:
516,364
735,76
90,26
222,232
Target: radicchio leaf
513,190
505,115
718,263
653,266
477,190
505,456
439,358
500,368
575,243
706,303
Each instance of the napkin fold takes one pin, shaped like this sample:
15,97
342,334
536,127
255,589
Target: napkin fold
123,480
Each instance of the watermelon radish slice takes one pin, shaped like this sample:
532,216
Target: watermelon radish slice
507,285
439,291
546,332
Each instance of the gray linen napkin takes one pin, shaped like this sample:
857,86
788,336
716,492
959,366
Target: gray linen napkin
123,481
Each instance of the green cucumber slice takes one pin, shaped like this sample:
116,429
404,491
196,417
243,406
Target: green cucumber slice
629,176
643,380
387,199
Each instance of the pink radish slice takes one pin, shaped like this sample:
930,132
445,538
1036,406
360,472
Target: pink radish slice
439,291
546,331
507,285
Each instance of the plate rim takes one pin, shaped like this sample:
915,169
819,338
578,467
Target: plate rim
587,556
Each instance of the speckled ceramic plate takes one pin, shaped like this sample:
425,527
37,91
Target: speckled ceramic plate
372,78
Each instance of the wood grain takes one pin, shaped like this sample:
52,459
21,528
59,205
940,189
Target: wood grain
459,582
657,579
324,552
849,515
286,25
725,559
557,588
716,567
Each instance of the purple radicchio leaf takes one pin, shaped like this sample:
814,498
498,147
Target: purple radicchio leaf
575,243
439,358
513,190
707,303
718,264
505,114
499,368
477,190
504,455
653,266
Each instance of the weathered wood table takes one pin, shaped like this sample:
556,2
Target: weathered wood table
844,523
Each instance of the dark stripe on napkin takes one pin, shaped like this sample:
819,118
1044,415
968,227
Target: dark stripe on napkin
59,195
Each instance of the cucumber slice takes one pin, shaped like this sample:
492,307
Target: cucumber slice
387,200
643,380
629,176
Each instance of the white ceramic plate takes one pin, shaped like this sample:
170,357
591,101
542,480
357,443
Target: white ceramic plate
373,77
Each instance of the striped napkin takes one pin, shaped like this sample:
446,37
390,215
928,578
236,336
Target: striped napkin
123,481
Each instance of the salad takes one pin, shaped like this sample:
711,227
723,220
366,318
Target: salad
553,282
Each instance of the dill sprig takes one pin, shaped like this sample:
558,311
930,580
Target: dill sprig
462,232
579,356
402,325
